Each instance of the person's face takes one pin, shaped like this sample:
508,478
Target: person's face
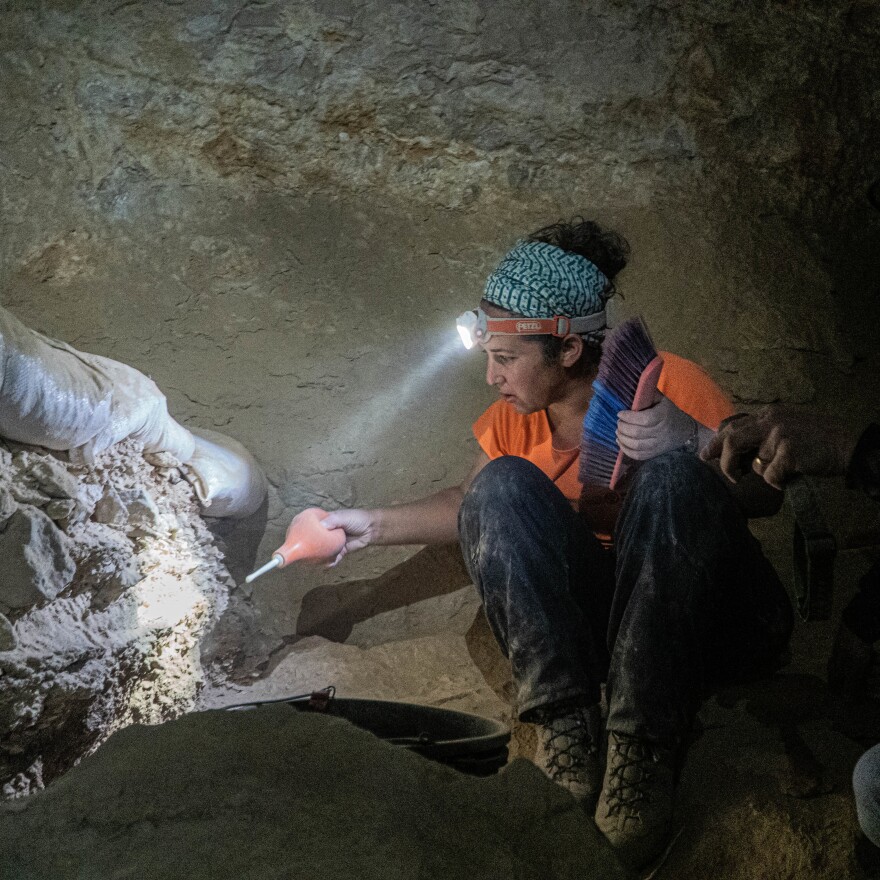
517,369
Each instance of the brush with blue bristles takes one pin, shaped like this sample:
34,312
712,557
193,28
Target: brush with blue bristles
627,379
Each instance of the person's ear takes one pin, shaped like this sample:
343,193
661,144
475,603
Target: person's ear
572,348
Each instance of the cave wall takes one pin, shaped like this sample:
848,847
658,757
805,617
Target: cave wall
124,103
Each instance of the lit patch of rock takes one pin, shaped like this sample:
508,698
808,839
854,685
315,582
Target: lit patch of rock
110,583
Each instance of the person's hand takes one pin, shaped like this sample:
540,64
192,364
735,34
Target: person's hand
781,442
651,432
359,527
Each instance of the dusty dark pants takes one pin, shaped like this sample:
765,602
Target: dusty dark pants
684,603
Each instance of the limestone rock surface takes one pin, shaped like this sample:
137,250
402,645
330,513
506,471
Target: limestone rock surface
303,796
35,559
7,635
105,624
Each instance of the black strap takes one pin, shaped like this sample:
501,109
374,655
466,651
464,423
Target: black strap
814,550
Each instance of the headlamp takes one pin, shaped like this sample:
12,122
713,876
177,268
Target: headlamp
475,326
471,327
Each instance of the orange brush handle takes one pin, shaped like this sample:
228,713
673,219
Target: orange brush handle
308,540
646,391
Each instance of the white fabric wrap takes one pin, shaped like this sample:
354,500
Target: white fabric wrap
52,395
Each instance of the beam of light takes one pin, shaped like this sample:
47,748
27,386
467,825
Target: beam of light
397,397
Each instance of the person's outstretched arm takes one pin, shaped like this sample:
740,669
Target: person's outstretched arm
431,520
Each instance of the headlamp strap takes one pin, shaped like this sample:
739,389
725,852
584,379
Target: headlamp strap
560,325
588,323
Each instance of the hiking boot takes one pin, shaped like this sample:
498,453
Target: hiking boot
568,749
635,806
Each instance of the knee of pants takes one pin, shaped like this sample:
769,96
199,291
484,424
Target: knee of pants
866,781
677,479
508,495
503,483
677,487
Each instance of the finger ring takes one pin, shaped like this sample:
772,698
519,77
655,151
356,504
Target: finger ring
759,461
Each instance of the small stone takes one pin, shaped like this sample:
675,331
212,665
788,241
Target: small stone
172,474
110,509
53,478
25,494
107,567
7,634
161,459
35,559
124,576
143,515
60,509
7,504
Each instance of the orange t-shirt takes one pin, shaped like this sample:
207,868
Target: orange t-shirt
501,430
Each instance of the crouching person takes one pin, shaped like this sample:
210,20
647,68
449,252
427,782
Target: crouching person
660,594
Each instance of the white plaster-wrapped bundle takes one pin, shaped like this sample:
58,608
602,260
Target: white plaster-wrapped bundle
52,395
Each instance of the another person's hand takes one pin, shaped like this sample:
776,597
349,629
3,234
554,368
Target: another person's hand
651,432
359,526
781,442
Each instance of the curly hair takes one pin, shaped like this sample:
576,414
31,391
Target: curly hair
603,247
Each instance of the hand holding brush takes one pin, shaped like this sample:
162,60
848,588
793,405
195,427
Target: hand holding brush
647,433
628,418
626,380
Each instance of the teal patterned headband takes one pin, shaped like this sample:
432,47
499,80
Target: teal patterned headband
540,280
